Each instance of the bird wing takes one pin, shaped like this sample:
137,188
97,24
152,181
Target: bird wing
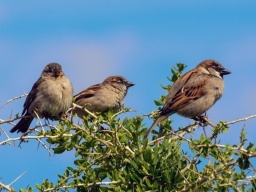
189,88
32,95
89,92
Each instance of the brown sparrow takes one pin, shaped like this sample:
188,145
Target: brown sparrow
50,97
109,94
195,92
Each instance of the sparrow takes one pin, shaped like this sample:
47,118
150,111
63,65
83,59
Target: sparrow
194,93
50,97
101,97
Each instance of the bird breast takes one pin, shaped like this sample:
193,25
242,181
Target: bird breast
55,97
213,90
112,97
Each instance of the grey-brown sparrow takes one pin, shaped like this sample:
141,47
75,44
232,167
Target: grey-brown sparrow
195,92
50,97
109,94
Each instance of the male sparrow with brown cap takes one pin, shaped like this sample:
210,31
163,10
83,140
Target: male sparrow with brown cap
194,93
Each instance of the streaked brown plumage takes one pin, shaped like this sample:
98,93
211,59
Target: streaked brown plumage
194,93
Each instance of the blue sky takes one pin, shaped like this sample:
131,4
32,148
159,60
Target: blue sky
140,40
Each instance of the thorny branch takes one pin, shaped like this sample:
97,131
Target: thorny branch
8,187
36,137
242,119
13,99
179,134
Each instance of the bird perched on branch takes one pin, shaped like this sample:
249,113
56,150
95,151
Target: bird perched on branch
101,97
50,97
194,93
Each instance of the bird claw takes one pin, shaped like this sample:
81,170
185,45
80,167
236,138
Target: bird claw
202,119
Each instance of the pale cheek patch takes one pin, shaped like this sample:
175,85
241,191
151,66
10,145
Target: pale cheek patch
214,72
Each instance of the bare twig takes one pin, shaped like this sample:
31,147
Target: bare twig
120,112
18,178
34,137
44,145
8,187
12,99
242,119
87,111
208,122
1,130
11,120
178,133
192,162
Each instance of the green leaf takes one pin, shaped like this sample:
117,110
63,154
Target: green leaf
59,149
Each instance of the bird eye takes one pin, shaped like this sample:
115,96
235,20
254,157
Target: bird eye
117,80
51,69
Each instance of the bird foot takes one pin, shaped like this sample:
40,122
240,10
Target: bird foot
202,119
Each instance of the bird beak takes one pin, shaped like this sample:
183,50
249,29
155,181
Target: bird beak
57,73
129,84
225,72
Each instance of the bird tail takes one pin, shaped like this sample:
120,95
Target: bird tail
158,120
23,124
